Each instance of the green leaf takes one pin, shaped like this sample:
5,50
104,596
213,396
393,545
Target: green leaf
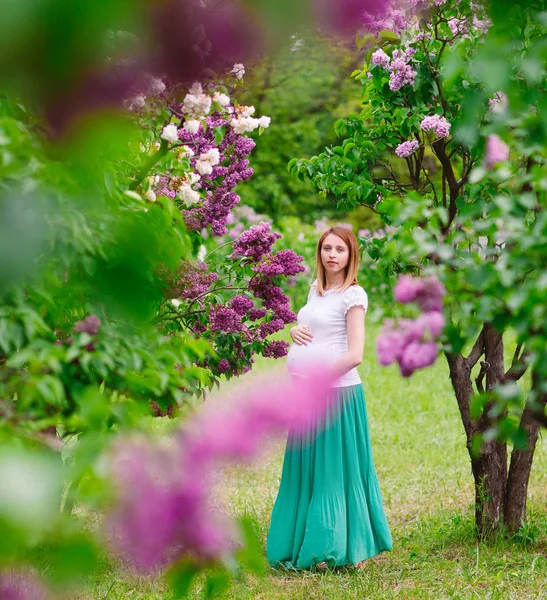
387,34
180,577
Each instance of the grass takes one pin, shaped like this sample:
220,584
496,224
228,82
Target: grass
425,476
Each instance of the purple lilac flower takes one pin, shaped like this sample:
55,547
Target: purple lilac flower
20,585
276,349
256,242
496,151
270,328
284,262
439,125
195,280
224,366
163,512
284,313
257,313
241,304
380,58
90,325
225,319
407,148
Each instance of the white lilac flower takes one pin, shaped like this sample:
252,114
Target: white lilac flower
264,122
136,102
191,178
192,126
207,161
196,104
150,195
170,133
244,124
222,99
238,70
187,194
186,152
155,86
245,111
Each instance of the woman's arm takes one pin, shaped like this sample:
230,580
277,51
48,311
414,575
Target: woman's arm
355,320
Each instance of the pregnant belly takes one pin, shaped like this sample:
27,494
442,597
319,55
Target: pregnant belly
302,358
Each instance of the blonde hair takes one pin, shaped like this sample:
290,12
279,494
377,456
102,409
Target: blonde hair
350,278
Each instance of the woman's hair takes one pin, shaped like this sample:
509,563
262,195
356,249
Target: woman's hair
353,261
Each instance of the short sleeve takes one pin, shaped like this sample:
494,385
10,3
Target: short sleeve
354,296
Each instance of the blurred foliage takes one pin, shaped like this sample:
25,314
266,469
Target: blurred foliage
304,87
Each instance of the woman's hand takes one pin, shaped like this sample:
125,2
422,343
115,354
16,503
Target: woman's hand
301,335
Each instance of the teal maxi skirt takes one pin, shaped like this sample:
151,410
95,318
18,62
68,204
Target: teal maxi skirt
329,506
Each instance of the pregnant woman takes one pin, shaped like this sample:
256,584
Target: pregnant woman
329,508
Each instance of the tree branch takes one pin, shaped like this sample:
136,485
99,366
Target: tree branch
477,351
519,365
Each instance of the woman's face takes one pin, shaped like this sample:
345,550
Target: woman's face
334,254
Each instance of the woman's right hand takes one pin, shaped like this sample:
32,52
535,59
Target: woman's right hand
301,335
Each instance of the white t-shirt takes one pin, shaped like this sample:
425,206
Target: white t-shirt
326,317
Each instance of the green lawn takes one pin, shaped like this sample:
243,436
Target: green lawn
424,473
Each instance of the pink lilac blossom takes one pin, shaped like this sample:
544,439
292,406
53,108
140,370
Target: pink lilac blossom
458,26
439,125
413,343
163,510
496,151
401,73
417,355
427,292
407,148
380,58
90,325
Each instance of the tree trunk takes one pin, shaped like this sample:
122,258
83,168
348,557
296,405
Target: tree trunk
490,474
521,460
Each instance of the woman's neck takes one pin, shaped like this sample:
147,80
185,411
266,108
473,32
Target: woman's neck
334,282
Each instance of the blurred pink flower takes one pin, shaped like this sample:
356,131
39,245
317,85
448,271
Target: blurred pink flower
164,510
20,585
496,151
346,16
